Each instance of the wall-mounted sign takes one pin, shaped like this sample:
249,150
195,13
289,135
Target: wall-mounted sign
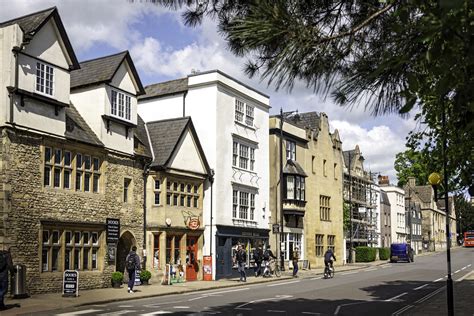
111,251
113,230
275,228
71,283
193,222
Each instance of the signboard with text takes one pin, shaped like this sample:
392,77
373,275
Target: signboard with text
113,230
71,283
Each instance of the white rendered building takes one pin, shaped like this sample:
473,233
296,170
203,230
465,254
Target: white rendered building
396,197
231,120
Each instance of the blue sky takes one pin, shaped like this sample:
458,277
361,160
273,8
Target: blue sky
163,49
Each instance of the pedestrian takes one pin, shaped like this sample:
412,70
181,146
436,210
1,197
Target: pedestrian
6,265
241,257
258,257
132,263
296,257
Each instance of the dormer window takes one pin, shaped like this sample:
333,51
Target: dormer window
44,78
120,105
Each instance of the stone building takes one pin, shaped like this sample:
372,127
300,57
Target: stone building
60,179
385,220
177,179
312,185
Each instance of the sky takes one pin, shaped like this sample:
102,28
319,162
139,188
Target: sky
163,48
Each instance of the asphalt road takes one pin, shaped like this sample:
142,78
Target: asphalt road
382,290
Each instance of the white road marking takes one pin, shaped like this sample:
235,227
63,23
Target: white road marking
280,297
197,298
371,269
124,311
395,297
244,308
424,298
274,311
464,268
348,304
86,311
420,287
457,271
438,280
346,273
181,307
465,276
270,285
223,292
402,310
156,313
468,265
123,306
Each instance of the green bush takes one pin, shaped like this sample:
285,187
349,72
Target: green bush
384,253
145,275
117,276
365,254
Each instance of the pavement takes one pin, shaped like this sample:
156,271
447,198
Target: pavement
45,302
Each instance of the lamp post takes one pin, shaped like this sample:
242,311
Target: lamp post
350,211
282,256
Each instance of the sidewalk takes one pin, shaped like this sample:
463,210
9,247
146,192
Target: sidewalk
437,305
45,302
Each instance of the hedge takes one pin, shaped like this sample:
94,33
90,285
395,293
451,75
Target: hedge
384,253
365,254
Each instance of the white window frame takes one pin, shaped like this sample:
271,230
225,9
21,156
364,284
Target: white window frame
120,105
249,114
290,150
239,110
44,83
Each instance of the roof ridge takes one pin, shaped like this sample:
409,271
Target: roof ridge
103,57
28,15
162,82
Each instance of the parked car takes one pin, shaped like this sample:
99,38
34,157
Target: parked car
401,252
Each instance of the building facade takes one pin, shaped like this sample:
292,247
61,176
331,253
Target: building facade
231,120
385,222
177,179
61,181
396,197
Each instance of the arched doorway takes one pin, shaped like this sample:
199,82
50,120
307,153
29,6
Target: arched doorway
124,245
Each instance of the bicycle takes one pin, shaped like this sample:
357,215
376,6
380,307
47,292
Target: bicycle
329,272
269,270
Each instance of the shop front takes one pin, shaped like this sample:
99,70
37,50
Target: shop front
227,238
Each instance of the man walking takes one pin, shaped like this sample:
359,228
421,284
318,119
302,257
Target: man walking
241,257
132,264
6,265
296,257
258,257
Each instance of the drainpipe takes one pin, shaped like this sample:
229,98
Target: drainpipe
211,180
184,104
16,50
146,171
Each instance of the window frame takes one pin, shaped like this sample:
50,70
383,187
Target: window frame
120,104
42,80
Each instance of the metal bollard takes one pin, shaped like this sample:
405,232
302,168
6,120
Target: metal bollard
18,282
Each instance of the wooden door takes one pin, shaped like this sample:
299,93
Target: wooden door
192,267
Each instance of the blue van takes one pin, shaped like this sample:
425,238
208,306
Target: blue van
401,252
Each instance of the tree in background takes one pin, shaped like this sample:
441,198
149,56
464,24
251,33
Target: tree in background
464,213
388,55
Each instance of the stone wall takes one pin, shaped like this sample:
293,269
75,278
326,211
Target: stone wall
31,203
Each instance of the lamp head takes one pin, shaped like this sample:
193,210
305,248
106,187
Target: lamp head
434,178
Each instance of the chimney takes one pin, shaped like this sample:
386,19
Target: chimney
383,180
411,181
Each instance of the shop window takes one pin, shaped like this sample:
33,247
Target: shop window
156,251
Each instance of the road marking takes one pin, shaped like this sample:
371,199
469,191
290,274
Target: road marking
181,307
274,311
371,269
86,311
468,265
346,273
123,306
156,313
420,287
402,310
270,285
243,308
310,313
223,292
424,298
457,271
438,280
279,297
348,304
464,268
386,266
197,298
465,276
125,311
395,297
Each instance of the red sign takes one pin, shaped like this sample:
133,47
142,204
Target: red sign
193,223
207,268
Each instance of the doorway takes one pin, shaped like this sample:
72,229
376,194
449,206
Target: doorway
124,246
192,266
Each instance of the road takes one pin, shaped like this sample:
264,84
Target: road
380,290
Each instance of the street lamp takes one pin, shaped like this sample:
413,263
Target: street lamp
435,180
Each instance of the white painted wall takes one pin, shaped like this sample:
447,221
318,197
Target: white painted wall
187,156
90,102
167,107
123,80
396,196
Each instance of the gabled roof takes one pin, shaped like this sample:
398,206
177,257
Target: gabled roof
102,70
165,88
30,25
77,128
165,136
346,154
293,167
305,120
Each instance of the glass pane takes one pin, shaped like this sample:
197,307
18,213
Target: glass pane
54,259
94,259
55,237
96,164
77,258
47,176
47,154
57,156
45,236
85,261
79,161
44,260
67,179
67,259
68,237
67,158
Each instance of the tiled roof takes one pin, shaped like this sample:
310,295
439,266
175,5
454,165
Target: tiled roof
345,154
164,136
424,192
165,88
102,70
77,129
142,136
305,120
293,167
31,23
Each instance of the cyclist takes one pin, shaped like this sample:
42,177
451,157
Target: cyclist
328,258
266,260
